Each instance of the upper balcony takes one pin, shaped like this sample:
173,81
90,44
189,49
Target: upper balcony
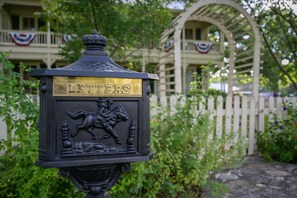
31,45
45,46
40,38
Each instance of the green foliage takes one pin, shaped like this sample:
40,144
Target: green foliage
218,189
19,177
278,28
279,140
185,151
124,23
197,86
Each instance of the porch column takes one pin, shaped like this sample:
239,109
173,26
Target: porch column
48,44
1,12
177,61
162,80
48,61
184,65
143,65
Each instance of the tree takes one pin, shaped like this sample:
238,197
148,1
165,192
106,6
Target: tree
278,26
127,24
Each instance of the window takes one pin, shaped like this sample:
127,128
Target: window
189,33
15,22
198,34
41,24
28,23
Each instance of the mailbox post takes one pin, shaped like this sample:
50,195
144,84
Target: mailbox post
94,118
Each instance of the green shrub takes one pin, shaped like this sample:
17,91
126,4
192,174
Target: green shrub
184,155
19,177
279,140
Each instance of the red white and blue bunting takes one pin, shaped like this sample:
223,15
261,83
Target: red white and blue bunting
22,39
66,38
203,47
169,45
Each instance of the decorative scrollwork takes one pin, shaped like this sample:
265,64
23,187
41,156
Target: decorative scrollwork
67,143
130,140
125,167
95,180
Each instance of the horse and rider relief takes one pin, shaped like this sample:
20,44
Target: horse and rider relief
107,117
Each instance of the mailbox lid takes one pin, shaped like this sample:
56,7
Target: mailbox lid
85,67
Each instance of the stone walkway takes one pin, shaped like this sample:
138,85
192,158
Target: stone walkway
258,178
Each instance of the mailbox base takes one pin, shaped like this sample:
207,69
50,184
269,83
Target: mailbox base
95,180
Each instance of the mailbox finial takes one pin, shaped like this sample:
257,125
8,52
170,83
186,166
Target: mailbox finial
95,41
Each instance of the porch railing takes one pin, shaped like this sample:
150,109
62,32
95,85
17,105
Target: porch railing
190,46
205,47
40,40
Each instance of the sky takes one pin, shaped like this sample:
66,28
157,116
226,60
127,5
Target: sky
294,6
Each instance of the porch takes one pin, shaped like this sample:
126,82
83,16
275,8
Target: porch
32,45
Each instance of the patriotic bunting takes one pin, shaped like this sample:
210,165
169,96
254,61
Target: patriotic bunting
66,38
203,47
169,45
22,39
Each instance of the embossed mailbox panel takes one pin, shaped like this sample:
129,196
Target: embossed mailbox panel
93,111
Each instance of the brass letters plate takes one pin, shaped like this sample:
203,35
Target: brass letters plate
97,87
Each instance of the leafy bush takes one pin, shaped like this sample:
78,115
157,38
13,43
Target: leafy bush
279,140
185,150
196,88
19,177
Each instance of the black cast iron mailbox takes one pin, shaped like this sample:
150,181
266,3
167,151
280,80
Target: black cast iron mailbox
94,118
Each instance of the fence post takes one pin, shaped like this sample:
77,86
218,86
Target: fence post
163,101
3,132
173,103
228,108
210,107
154,102
261,114
279,108
220,102
251,147
236,117
271,109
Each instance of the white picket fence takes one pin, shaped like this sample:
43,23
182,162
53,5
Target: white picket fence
235,114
